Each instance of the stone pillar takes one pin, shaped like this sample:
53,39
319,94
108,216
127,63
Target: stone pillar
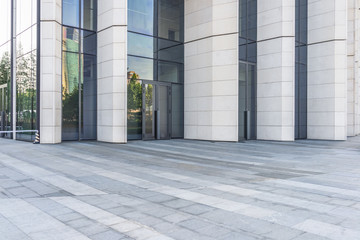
351,89
327,70
112,71
50,71
276,70
211,70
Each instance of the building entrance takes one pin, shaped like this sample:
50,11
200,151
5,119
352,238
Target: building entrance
156,109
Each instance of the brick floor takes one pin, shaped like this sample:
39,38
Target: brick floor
180,189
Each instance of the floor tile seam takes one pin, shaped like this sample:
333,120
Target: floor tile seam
49,178
110,215
54,220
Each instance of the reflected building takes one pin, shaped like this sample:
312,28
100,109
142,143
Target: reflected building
166,69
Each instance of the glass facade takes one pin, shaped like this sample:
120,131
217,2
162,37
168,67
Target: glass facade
247,69
26,61
5,67
155,68
79,77
301,69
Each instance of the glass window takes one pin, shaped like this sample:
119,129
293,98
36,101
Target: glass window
142,67
89,97
170,51
71,39
134,107
5,20
141,16
177,111
88,19
171,19
71,11
170,72
88,42
23,15
70,96
141,45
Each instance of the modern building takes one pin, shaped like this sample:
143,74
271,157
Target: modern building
120,70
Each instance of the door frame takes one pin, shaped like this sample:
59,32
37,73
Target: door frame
156,122
247,111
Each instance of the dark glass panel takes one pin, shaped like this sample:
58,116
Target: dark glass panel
141,45
243,18
89,97
88,45
134,108
252,20
170,51
170,72
71,12
71,39
142,67
70,96
252,52
243,52
141,16
177,113
88,14
242,100
171,19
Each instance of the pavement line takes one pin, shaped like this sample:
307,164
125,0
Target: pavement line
130,228
323,188
35,223
328,230
265,196
61,182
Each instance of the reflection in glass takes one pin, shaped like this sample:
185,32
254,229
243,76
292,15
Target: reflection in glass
88,13
170,51
143,67
141,16
171,19
177,113
149,104
71,39
134,106
5,86
170,72
26,94
70,96
71,13
242,99
88,42
5,20
89,97
141,45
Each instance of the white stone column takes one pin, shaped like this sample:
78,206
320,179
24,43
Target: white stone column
112,71
211,70
327,69
351,81
276,70
50,70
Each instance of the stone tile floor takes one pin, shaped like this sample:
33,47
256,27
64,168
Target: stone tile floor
180,189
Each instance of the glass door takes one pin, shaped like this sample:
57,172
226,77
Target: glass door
148,111
163,112
247,101
156,111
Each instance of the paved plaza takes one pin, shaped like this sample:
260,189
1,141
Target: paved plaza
179,189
